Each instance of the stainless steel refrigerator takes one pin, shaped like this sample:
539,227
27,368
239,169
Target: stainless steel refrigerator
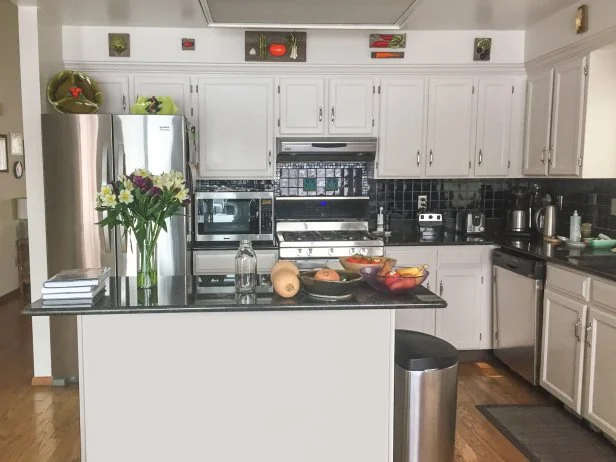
80,153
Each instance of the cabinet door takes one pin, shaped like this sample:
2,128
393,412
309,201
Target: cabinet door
562,353
600,406
351,106
302,106
178,88
450,127
538,120
460,322
114,88
401,128
236,128
494,108
416,320
569,103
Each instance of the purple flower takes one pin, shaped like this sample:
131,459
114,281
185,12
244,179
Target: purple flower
155,191
186,201
144,184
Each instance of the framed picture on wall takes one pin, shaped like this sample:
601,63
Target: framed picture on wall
4,160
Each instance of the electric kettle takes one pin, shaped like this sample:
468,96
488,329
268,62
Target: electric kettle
546,219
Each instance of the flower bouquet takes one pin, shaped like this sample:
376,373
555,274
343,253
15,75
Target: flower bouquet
141,202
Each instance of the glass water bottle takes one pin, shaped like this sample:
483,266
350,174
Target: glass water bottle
245,269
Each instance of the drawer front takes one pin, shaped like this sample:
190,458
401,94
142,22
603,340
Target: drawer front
568,282
460,256
223,262
214,262
603,293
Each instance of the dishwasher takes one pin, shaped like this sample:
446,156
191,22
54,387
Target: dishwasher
517,311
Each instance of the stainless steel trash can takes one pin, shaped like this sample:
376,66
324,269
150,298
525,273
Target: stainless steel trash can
425,397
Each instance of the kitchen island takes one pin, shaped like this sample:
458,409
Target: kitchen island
188,371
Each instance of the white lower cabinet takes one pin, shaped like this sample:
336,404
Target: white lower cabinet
600,402
223,261
562,350
579,343
460,323
460,275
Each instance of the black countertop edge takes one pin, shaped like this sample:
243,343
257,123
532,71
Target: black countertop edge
562,255
401,240
175,295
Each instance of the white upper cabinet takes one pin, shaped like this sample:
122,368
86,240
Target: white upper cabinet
402,128
538,120
494,109
176,87
302,106
236,116
351,106
114,87
569,102
450,127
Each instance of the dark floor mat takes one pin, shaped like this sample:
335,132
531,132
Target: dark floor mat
547,433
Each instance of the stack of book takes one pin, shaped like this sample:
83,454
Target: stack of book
76,287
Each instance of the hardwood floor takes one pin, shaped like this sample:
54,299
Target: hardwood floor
41,424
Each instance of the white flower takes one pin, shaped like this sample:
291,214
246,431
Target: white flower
142,172
108,200
182,195
126,183
106,189
158,181
125,197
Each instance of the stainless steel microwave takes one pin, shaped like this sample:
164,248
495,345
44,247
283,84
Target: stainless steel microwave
233,216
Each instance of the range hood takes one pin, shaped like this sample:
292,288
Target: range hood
312,14
326,149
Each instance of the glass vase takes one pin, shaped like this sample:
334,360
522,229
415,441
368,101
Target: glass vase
147,269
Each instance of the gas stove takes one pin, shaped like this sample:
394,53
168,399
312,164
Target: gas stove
327,240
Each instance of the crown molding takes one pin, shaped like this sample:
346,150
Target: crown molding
286,69
579,48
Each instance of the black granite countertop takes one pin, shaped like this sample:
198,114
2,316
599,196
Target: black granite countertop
411,237
177,294
597,262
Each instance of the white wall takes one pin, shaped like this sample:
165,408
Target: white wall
558,30
10,121
40,44
226,46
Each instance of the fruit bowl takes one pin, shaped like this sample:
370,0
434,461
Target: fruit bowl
357,262
393,282
344,288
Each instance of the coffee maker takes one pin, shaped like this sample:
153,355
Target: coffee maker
519,215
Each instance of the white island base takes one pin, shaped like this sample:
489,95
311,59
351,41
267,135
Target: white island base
257,386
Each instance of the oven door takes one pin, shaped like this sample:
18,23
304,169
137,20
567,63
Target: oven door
226,217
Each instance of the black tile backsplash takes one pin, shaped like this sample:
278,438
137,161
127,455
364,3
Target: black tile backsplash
591,198
400,197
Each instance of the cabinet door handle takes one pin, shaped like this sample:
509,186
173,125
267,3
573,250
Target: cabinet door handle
270,158
428,285
543,155
431,157
333,114
550,152
589,335
440,290
577,332
320,113
124,103
418,157
480,157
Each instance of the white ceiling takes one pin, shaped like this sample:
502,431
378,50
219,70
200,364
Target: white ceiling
482,14
426,15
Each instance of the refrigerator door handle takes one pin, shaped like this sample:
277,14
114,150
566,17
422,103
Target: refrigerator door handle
191,181
121,160
106,168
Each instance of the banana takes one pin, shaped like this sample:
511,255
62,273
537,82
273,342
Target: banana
417,271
